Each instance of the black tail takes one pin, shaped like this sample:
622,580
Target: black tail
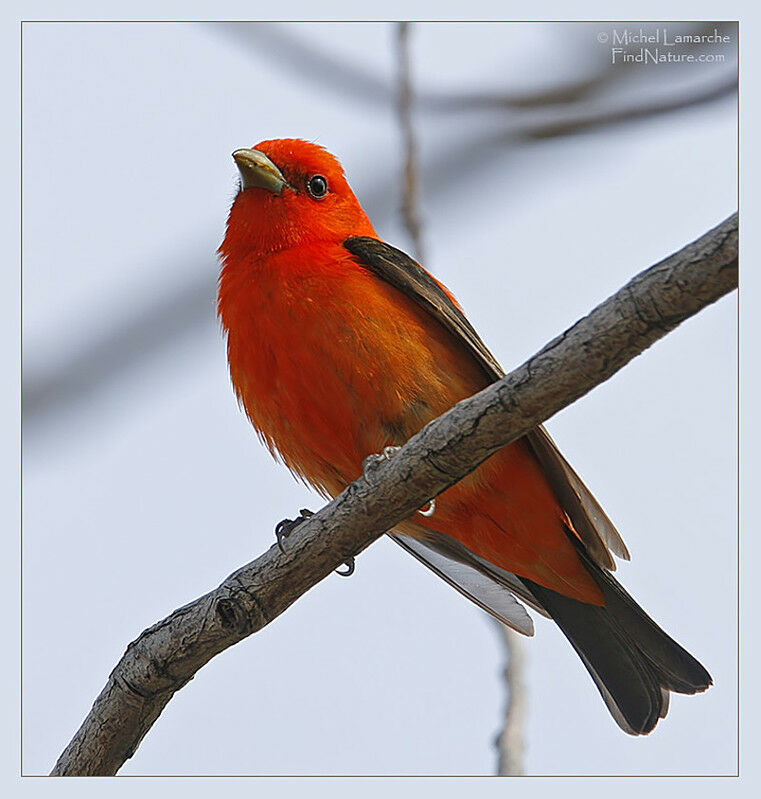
631,659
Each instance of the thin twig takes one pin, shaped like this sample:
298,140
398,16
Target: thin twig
568,124
66,385
165,657
410,181
300,56
509,742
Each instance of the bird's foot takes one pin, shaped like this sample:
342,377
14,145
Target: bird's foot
371,463
284,528
287,526
430,509
349,564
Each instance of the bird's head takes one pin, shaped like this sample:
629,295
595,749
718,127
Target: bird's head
291,192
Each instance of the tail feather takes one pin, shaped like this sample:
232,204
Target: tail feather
633,662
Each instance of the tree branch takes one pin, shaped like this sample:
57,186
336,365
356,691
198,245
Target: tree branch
410,180
567,125
509,742
69,383
166,656
310,62
563,109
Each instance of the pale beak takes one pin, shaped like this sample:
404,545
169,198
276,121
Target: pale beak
257,171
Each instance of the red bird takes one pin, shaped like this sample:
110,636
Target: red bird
341,345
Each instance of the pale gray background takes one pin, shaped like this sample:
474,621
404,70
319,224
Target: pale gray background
145,491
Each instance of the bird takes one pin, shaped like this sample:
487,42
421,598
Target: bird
341,346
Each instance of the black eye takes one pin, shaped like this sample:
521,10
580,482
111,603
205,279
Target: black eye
317,186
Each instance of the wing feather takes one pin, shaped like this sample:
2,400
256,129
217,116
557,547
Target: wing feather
587,517
479,586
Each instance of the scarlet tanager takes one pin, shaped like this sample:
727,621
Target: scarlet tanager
340,345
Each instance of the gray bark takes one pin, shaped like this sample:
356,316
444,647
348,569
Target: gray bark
509,742
168,654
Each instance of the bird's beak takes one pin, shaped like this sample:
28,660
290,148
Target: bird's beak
257,171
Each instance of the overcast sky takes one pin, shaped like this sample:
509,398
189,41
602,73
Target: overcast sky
145,488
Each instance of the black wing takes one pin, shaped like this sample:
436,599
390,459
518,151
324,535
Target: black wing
588,518
633,662
398,269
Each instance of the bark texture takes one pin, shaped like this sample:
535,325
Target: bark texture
167,655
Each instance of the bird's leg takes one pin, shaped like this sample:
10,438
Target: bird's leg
371,463
284,528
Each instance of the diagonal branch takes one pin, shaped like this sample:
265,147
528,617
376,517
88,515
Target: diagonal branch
166,656
307,61
177,314
567,125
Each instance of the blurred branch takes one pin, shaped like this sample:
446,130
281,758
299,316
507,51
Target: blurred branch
548,115
347,79
600,77
307,61
510,740
166,656
159,322
411,185
180,311
572,124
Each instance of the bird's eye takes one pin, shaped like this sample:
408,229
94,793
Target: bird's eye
317,186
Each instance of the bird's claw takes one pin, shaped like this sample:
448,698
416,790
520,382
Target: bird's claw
371,462
284,528
430,509
349,568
